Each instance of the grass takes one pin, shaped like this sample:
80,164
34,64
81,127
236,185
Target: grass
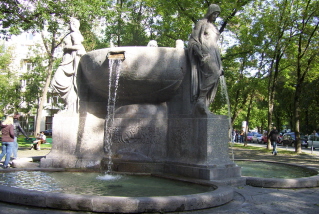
23,144
264,149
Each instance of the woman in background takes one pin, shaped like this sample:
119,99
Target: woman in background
7,140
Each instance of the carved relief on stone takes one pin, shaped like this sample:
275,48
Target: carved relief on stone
135,135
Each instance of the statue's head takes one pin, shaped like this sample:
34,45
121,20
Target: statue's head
212,9
152,43
74,24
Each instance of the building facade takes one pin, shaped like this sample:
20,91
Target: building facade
21,47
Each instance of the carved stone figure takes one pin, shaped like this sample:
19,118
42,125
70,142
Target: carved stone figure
205,60
152,43
64,80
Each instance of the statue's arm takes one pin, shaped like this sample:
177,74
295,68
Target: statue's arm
197,45
74,42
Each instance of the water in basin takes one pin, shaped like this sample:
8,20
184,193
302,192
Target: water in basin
273,170
85,183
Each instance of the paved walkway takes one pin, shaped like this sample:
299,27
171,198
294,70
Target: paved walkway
247,200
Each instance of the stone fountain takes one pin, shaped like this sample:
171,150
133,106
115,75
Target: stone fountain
154,124
140,110
154,128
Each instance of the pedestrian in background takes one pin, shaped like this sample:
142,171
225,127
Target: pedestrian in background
273,136
241,136
7,130
17,130
234,135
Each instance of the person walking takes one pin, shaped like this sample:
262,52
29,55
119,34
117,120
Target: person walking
17,130
241,137
7,140
273,136
234,135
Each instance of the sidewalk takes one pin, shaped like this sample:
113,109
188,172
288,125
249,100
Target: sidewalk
247,199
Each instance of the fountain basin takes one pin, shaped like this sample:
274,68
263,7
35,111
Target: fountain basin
147,74
308,180
115,204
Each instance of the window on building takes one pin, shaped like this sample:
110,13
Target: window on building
23,83
29,66
54,99
48,122
27,123
26,66
29,36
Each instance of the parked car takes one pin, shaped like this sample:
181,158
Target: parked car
264,138
290,140
47,132
250,135
313,141
257,138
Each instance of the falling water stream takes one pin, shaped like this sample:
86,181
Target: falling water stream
114,75
225,94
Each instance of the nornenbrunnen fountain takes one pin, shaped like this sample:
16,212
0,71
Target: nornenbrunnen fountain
143,109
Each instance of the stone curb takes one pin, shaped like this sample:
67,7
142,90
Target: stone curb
62,201
304,182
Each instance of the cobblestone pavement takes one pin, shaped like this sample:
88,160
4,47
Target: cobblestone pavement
247,199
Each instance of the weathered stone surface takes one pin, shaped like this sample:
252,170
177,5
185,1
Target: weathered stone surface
148,75
110,204
152,126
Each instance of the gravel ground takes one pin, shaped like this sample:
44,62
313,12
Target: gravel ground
26,153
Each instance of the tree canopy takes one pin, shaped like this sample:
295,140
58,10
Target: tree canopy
269,48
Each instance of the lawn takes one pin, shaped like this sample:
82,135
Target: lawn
23,143
264,150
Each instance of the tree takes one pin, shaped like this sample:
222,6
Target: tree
46,17
305,52
129,23
9,83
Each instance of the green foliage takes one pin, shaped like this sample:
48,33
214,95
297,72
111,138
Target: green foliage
18,16
24,144
9,84
269,48
35,80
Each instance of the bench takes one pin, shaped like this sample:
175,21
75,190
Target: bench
36,145
31,139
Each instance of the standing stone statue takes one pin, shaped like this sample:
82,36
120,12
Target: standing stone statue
205,60
64,80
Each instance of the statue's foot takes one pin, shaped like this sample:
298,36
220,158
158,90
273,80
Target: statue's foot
201,109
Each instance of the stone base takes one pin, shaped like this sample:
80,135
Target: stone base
210,172
221,175
134,167
70,162
32,162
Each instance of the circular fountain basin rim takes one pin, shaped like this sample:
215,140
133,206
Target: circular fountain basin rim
284,183
114,204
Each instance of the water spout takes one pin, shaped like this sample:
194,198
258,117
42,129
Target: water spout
116,55
114,75
225,94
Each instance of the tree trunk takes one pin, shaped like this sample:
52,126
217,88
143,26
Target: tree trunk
297,114
248,117
44,97
270,112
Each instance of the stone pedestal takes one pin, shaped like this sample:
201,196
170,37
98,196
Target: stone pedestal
77,141
198,148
